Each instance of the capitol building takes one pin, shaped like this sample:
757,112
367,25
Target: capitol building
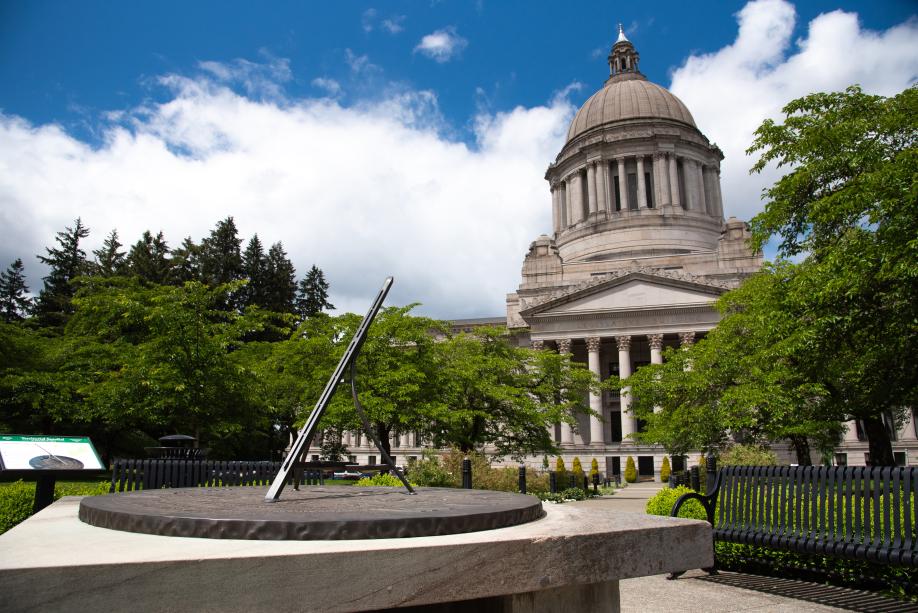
639,251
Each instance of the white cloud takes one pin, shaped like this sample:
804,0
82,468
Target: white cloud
367,20
393,25
362,191
359,63
730,91
258,80
332,87
442,45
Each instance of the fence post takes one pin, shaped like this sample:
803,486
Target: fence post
595,483
553,482
696,478
711,463
467,474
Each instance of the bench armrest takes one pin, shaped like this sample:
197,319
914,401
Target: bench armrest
706,501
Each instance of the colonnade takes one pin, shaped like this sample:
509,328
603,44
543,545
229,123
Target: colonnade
673,180
357,441
623,344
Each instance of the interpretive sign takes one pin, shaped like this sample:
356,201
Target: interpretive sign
23,452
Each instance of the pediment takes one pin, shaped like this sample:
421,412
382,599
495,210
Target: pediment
629,291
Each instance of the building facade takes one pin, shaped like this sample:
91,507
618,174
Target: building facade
638,253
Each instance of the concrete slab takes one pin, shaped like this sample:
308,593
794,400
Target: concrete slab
54,562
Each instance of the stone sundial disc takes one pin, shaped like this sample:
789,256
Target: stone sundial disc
312,513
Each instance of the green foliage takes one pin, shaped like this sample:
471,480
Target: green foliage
429,471
382,480
15,303
560,469
577,470
494,393
66,262
567,495
662,503
312,294
748,455
630,471
665,470
18,498
594,468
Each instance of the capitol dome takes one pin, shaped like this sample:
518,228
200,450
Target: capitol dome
622,99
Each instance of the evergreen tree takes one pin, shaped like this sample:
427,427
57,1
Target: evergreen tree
312,294
14,301
221,259
67,262
255,269
149,258
281,281
109,260
186,263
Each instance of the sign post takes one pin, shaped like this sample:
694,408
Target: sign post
44,459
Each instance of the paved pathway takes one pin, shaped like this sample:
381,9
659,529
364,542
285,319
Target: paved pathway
696,592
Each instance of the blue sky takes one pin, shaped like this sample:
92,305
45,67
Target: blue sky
402,138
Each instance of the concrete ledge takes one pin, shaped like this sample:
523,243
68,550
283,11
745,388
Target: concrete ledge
54,562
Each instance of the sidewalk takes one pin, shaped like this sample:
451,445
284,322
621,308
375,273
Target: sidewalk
696,592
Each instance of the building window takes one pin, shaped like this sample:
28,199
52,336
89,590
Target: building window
618,194
615,426
841,459
371,460
680,175
352,459
315,458
901,458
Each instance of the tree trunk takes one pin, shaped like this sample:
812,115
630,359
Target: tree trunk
802,449
382,432
881,453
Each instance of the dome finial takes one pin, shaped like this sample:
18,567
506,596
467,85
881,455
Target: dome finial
621,35
623,58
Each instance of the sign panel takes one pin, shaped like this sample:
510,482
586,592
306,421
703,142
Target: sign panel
22,452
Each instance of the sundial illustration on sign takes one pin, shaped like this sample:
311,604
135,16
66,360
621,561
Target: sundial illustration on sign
314,512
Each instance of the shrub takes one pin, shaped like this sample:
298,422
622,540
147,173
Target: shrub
560,469
663,501
630,471
573,493
384,480
430,472
577,470
748,455
594,469
703,472
665,470
18,498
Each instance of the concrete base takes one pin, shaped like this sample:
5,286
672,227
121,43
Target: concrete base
570,560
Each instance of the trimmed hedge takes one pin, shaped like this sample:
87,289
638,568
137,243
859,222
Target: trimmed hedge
17,498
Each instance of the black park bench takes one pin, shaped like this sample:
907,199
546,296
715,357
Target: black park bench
855,512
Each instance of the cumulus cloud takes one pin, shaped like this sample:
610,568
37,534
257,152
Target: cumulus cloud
730,91
363,191
332,87
368,19
393,25
442,45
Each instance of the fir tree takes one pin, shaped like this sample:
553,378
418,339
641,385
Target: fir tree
221,259
186,262
109,260
15,304
149,258
281,283
67,262
255,269
312,294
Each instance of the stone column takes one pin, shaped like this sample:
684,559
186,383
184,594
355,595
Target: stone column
691,191
699,187
656,355
641,184
537,344
556,208
657,179
851,431
665,197
707,176
676,198
567,204
602,185
623,184
624,371
403,440
718,197
908,431
591,187
656,348
596,430
576,199
686,340
567,433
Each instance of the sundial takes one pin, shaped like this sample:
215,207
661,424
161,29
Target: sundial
314,513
